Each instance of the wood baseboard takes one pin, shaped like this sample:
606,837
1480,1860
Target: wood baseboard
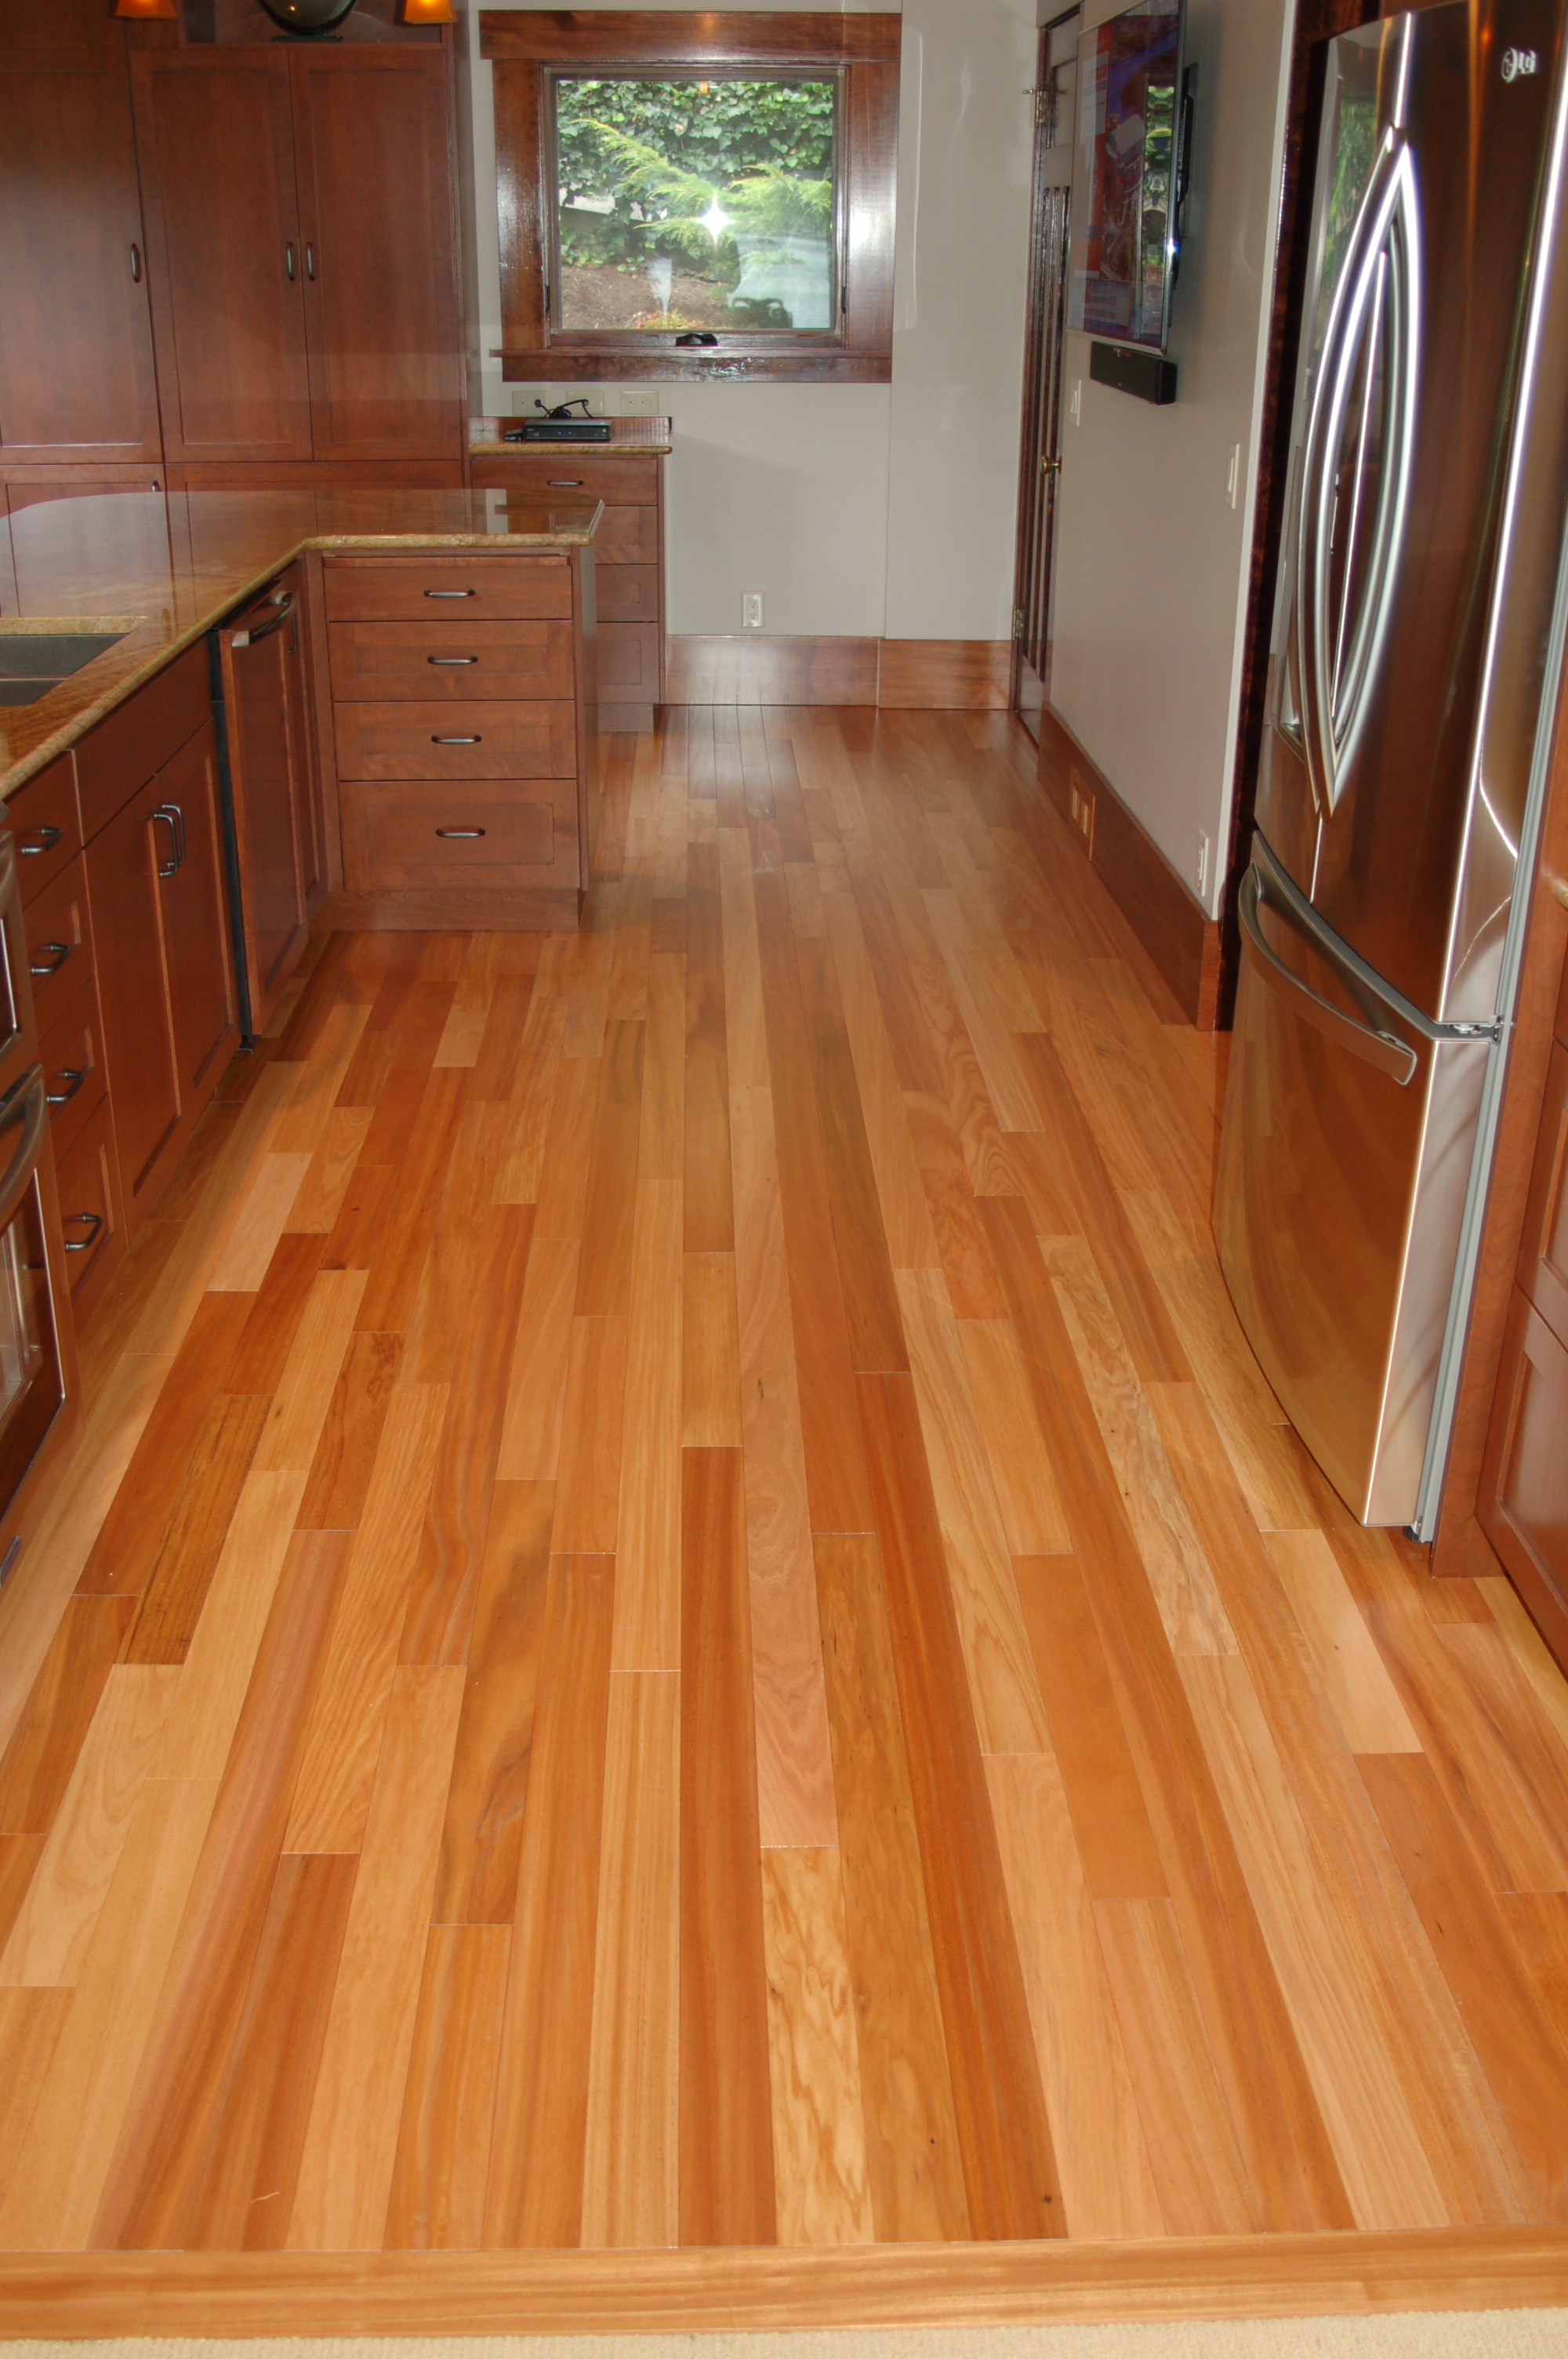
920,675
1157,904
99,2294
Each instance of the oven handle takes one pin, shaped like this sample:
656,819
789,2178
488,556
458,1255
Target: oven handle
28,1105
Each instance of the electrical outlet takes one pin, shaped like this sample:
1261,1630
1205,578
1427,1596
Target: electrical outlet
1233,475
1082,804
751,610
639,401
1200,867
1075,402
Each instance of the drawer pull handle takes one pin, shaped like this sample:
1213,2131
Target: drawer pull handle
451,659
458,835
83,1244
73,1078
564,482
457,741
47,838
55,957
451,593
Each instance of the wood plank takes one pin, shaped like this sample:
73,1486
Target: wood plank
604,1268
332,1794
19,1856
267,1336
745,1029
992,1026
711,1353
1364,1701
708,1208
350,1433
1004,2137
309,1376
535,1056
901,1191
31,2024
443,2144
973,1283
795,1775
351,2146
222,1655
69,1878
587,1479
536,1386
1009,1714
257,1225
1107,2185
59,1710
819,2134
482,1838
176,1588
1026,1489
398,1254
536,2187
630,2178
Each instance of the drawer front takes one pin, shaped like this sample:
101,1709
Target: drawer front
71,1051
628,663
437,741
627,536
88,1178
1543,1248
460,661
619,482
495,833
59,940
120,756
477,589
627,594
45,818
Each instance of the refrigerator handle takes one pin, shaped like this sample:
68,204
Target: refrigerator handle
1391,1055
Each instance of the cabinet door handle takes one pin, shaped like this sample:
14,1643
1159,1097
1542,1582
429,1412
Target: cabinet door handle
451,593
445,661
135,263
282,609
54,958
288,260
458,835
82,1245
73,1078
310,261
46,838
563,483
173,819
457,741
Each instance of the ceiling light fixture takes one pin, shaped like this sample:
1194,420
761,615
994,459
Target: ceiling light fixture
306,15
162,9
428,11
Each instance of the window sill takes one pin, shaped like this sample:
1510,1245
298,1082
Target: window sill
726,364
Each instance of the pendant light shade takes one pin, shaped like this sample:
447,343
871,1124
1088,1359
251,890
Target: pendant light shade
428,11
145,8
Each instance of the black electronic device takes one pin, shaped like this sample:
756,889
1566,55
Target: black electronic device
561,424
1149,377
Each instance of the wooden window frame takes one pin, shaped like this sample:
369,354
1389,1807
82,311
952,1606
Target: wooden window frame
526,46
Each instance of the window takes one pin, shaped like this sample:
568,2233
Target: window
695,196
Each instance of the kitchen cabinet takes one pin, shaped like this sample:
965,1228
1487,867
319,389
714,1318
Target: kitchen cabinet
277,825
77,381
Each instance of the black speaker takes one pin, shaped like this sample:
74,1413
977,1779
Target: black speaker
1149,377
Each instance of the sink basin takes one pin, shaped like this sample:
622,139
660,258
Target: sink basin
32,662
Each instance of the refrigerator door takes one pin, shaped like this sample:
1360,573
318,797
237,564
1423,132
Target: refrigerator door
1396,757
1344,1160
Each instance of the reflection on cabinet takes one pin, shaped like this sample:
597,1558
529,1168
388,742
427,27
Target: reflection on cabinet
277,820
76,354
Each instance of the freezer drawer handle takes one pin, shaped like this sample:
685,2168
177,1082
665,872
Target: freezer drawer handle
1391,1055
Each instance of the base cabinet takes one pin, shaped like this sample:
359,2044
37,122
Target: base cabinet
278,822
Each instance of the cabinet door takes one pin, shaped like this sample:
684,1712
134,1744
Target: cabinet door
194,904
1523,1496
226,259
260,659
375,203
76,354
126,901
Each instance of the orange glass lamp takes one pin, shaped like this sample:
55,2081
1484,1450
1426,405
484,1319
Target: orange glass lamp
164,8
428,11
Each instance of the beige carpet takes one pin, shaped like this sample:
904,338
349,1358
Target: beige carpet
1453,2334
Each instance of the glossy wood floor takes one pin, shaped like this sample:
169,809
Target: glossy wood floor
682,1621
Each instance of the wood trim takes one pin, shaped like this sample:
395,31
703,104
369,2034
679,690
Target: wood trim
564,37
98,2294
1183,942
919,675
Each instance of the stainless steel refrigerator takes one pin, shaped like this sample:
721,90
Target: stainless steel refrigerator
1412,681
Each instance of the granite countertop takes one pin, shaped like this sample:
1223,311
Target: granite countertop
161,568
630,438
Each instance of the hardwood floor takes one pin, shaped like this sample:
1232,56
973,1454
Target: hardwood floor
686,1675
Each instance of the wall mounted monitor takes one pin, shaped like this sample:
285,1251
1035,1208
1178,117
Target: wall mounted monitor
1122,227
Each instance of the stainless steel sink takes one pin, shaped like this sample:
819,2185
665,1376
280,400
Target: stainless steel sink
31,663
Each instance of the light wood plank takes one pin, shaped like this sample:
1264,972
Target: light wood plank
901,1189
1026,1490
257,1225
819,2137
588,1477
320,1196
443,2145
217,1668
305,1390
1364,1701
647,1529
536,1387
711,1353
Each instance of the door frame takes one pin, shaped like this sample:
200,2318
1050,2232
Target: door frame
1040,420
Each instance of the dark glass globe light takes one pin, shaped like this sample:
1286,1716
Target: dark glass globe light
306,15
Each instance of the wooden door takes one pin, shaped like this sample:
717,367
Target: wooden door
375,201
1040,460
194,902
125,898
271,792
215,145
76,349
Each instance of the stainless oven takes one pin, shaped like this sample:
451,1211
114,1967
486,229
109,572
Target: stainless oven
38,1358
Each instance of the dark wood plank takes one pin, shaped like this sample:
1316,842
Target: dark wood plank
18,1857
604,1265
400,1250
726,2121
709,1210
339,1472
177,1589
268,1333
59,1711
865,1267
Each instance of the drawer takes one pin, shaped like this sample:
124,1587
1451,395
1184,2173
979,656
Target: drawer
45,821
121,754
628,663
88,1178
479,588
71,1051
460,661
627,594
489,834
619,482
433,741
627,536
59,940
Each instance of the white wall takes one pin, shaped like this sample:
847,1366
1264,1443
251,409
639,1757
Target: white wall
860,510
1151,562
